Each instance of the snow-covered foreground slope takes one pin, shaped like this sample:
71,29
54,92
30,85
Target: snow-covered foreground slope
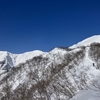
86,95
60,74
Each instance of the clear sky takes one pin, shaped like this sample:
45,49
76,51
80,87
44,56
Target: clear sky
27,25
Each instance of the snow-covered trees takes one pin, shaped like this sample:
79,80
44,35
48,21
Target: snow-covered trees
94,53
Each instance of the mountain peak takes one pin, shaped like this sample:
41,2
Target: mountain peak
88,41
8,60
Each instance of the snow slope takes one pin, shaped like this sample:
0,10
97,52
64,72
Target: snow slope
87,41
21,58
86,95
89,94
9,59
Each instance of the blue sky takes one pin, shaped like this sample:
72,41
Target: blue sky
27,25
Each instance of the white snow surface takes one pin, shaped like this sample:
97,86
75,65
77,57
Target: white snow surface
87,41
21,58
86,95
15,59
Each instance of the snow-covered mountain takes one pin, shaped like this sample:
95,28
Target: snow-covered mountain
9,60
59,74
87,41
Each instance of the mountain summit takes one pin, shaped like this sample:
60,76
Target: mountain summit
88,41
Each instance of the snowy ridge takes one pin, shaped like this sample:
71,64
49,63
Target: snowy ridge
87,41
15,59
21,58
